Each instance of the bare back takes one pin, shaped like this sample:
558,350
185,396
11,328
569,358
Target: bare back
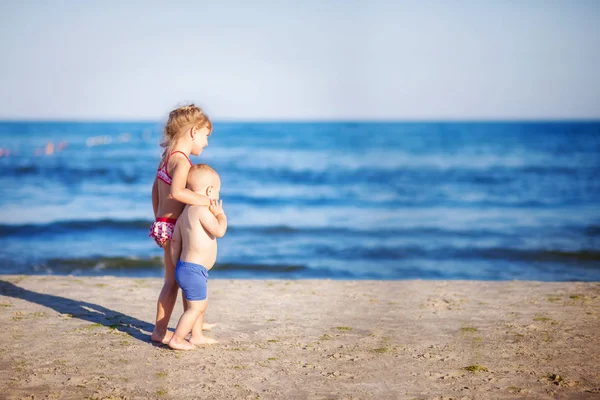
168,207
197,245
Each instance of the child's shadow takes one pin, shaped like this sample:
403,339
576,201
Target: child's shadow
83,310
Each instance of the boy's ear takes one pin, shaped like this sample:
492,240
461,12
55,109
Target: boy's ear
209,190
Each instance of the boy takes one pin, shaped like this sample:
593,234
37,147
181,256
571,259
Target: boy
194,251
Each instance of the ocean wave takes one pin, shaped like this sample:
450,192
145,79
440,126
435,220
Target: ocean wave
307,171
72,174
402,198
282,230
592,230
108,264
396,156
99,225
71,226
562,256
583,256
104,263
260,268
405,175
153,266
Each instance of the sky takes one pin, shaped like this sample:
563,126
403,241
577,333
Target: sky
300,60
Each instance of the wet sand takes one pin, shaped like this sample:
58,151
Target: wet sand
75,338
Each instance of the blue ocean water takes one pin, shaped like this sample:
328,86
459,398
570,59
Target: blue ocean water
490,201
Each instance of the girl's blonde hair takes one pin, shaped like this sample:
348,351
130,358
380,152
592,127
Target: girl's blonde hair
180,121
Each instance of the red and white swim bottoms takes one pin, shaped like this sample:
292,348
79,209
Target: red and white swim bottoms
162,230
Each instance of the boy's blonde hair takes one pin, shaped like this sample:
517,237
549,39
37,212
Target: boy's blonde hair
180,120
201,175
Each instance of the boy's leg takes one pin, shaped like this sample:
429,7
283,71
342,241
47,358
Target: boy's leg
166,300
197,336
186,322
200,326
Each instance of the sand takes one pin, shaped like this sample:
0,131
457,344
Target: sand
76,338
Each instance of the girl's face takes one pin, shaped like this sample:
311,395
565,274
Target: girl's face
200,140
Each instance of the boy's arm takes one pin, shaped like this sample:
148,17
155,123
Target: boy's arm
175,245
215,225
155,197
178,189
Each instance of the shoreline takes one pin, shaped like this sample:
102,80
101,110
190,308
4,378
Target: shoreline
214,277
73,336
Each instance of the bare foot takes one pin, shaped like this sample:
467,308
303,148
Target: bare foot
180,344
161,337
207,327
201,339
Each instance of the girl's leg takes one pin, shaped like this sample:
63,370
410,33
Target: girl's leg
197,336
166,300
186,322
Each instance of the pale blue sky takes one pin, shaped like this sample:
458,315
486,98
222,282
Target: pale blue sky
315,60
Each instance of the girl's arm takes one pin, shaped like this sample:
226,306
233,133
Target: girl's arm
178,183
155,197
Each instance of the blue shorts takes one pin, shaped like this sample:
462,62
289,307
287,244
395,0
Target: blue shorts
192,279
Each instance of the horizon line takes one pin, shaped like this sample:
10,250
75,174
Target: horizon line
312,121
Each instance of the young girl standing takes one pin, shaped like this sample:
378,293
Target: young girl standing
186,132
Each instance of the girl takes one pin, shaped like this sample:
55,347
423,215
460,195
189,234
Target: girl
186,132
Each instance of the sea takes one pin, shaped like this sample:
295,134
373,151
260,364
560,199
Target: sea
306,200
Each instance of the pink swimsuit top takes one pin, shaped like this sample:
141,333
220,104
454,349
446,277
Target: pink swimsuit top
162,172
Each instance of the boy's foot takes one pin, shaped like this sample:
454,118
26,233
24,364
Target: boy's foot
160,337
180,344
200,340
207,327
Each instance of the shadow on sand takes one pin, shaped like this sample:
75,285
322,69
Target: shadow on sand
83,310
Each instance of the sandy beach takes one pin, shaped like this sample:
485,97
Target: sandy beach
81,337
